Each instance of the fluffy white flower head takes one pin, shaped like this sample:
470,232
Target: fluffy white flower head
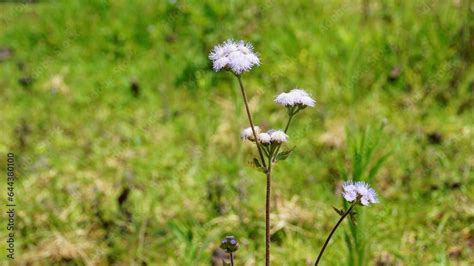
296,97
278,136
235,56
303,98
264,138
360,192
299,92
285,99
247,134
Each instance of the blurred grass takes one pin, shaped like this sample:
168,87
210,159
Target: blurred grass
109,178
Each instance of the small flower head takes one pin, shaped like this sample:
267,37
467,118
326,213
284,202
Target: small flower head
278,136
299,92
306,101
235,56
247,134
264,138
360,192
285,99
219,58
229,244
296,97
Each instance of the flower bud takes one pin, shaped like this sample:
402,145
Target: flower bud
229,244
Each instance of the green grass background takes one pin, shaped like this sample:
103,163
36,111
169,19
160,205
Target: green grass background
108,178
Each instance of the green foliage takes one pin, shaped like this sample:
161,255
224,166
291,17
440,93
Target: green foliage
283,155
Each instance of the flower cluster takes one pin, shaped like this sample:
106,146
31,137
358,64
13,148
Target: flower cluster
239,57
247,134
296,97
271,136
235,56
360,192
229,244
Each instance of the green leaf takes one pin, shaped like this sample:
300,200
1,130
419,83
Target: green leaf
256,162
352,216
339,211
284,154
373,171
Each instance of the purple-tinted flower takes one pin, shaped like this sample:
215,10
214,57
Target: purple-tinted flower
235,56
360,192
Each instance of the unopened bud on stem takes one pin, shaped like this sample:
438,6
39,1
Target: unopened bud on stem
229,244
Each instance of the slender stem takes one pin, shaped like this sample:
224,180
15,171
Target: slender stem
266,151
231,259
286,130
288,123
267,213
251,122
268,174
332,232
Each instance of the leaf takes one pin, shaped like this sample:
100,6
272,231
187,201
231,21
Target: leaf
352,216
373,171
256,162
284,154
339,211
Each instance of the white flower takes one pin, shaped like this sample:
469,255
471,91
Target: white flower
218,56
285,99
264,138
278,136
236,56
220,63
359,191
302,97
247,134
299,92
295,97
306,101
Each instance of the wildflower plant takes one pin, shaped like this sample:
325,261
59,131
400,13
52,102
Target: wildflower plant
239,57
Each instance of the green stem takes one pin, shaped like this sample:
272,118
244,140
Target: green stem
266,151
267,213
268,174
244,96
288,123
332,232
290,116
231,259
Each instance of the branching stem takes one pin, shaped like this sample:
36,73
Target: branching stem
267,212
268,173
290,117
244,96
